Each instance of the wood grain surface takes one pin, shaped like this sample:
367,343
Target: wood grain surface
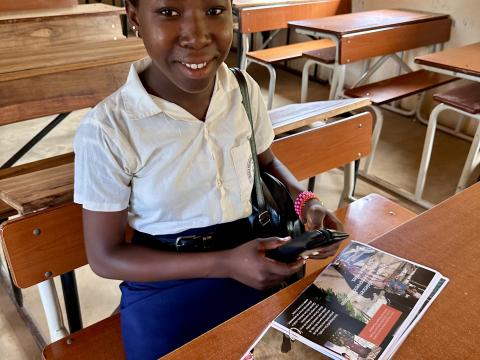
464,59
313,151
340,25
364,220
36,190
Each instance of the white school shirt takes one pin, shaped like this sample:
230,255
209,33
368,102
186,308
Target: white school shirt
172,171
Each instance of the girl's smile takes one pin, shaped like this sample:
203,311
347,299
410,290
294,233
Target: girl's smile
187,41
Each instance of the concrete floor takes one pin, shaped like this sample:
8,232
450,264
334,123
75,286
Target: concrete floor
397,160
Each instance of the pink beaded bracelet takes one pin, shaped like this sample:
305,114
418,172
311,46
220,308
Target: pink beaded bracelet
301,199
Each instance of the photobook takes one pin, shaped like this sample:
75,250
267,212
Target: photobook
361,306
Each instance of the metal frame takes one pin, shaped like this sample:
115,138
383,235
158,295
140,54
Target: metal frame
427,149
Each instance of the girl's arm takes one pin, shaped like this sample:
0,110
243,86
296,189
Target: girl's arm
111,256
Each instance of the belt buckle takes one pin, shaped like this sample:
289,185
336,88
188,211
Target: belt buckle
264,218
195,244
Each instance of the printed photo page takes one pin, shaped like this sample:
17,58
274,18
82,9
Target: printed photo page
362,306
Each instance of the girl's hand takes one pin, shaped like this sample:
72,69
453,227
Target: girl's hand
316,216
247,264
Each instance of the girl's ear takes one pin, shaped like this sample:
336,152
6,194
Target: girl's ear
132,14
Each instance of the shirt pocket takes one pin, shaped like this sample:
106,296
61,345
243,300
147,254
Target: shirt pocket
243,165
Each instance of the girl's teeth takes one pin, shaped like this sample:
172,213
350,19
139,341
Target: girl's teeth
195,66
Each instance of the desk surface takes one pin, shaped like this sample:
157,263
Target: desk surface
231,339
444,238
340,25
237,4
464,59
26,63
77,10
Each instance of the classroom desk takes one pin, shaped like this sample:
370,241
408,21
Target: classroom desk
391,30
53,185
298,9
444,238
37,28
462,62
61,79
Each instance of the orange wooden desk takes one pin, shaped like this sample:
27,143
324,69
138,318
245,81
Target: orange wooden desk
275,14
444,238
231,339
462,62
391,30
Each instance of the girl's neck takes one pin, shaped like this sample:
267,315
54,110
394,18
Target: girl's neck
195,103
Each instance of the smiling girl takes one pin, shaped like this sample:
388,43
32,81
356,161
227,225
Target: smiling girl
168,155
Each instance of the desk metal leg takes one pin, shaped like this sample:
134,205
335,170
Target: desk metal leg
72,304
17,292
18,155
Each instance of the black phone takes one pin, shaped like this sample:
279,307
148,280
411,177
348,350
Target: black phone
292,249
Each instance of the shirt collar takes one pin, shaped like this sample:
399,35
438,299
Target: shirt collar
139,104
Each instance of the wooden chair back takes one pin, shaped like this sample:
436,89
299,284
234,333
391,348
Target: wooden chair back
16,5
264,18
358,46
45,244
311,152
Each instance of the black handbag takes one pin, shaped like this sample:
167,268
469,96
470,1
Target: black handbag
273,211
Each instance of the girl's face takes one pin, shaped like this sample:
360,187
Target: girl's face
187,41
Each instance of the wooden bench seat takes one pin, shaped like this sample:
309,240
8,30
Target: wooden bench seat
364,219
6,211
288,52
466,97
273,18
324,56
35,185
395,88
399,87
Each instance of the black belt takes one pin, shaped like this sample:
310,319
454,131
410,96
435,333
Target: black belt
212,238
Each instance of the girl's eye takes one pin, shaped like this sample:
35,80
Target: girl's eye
169,12
215,11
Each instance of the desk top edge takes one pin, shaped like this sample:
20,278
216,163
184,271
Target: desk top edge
311,24
77,10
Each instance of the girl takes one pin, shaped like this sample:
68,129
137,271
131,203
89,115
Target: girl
168,154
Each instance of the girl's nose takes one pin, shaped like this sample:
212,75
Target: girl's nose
195,32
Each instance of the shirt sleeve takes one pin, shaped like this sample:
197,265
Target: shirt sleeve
101,181
261,121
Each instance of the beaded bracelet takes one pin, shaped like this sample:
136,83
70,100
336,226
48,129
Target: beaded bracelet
301,199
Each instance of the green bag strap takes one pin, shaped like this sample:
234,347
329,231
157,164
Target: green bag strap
264,215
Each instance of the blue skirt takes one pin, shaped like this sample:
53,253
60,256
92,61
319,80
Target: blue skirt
158,317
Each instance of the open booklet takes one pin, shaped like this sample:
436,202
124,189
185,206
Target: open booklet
361,306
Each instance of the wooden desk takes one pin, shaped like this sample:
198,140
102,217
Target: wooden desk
462,62
27,189
39,28
267,15
63,78
444,238
391,31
